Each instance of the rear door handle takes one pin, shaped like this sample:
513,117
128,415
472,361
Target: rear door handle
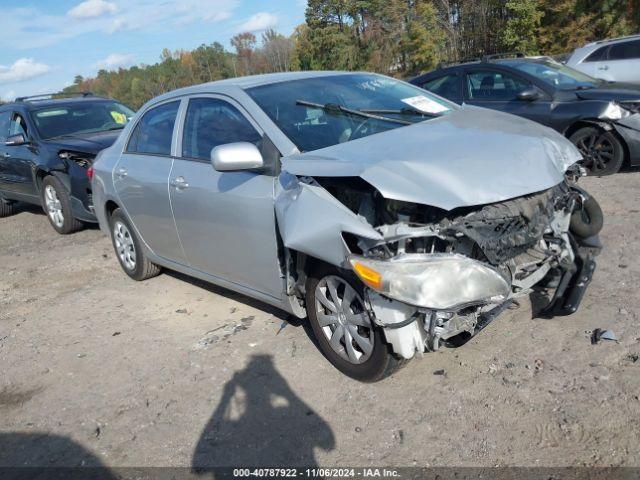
605,68
121,172
180,183
5,155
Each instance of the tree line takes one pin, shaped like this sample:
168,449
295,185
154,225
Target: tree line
396,37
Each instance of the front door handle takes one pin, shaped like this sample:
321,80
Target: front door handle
180,183
605,68
121,172
5,155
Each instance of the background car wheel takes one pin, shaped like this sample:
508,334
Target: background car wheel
6,208
345,334
57,205
603,152
128,249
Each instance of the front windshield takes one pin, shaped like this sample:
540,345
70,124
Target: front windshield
377,104
74,119
555,74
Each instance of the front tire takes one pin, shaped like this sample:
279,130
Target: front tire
343,329
603,151
129,249
56,203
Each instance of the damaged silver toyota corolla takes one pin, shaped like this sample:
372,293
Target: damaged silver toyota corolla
396,221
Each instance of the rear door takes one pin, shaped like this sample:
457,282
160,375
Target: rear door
141,179
623,62
498,90
5,118
596,63
226,220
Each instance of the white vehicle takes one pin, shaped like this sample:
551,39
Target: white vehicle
615,60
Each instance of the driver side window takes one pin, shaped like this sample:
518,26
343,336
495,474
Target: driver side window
212,122
487,85
18,126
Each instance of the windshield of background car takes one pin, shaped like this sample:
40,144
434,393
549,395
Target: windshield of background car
80,118
311,128
555,74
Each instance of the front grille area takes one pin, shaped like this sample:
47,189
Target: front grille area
507,229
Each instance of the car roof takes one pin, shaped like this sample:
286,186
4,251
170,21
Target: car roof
613,41
501,62
228,85
52,102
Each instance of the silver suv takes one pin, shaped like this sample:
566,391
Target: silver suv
396,221
615,60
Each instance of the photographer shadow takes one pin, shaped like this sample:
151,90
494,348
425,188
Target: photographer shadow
260,422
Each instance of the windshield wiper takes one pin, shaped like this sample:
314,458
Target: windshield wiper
335,108
403,111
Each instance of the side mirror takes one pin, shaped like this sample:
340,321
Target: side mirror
16,140
236,156
529,95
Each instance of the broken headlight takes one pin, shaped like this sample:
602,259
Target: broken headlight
435,281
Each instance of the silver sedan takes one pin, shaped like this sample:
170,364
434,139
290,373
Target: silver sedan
394,220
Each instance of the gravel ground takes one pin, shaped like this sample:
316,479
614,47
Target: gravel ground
98,369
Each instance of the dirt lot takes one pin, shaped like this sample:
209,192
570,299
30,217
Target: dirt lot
96,368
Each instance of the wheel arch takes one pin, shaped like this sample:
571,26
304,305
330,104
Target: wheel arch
608,126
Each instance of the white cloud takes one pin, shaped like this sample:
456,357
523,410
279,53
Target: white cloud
8,96
22,69
93,9
116,60
259,21
36,28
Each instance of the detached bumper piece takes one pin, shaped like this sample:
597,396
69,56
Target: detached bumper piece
575,281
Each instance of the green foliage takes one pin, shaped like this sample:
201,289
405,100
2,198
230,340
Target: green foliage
397,37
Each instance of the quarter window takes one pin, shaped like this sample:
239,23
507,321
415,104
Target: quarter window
494,86
212,122
154,131
447,86
625,51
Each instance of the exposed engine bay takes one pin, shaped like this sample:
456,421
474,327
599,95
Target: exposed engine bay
438,277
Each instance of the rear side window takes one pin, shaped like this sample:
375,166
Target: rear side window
212,122
153,133
447,86
598,56
625,51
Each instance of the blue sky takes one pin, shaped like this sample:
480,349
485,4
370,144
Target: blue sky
45,43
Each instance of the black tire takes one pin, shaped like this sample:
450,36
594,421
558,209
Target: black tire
141,268
381,362
603,151
69,223
6,208
587,220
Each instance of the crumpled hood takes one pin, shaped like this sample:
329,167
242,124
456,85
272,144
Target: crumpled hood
621,92
88,143
471,156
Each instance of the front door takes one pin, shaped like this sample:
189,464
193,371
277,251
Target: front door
226,220
17,161
499,90
141,179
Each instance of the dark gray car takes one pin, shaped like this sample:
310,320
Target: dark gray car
395,220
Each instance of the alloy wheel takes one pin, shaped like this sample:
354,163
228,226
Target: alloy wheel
343,319
54,206
598,151
125,247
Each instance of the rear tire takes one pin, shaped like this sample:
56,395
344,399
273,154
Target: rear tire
56,203
603,151
129,250
6,208
345,334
